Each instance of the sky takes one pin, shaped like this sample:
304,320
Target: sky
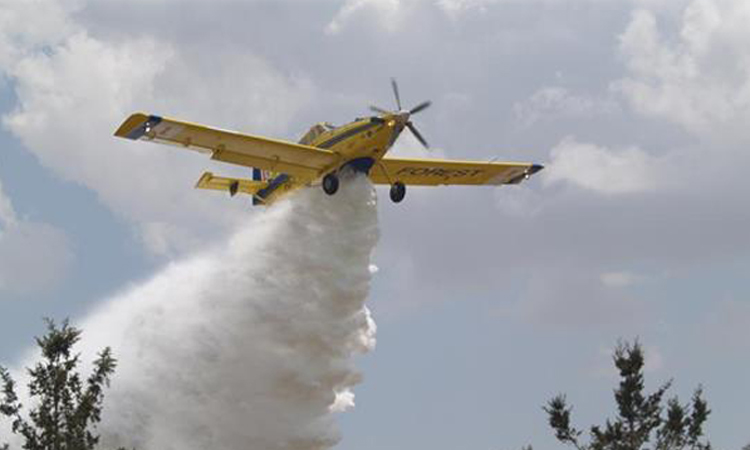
488,301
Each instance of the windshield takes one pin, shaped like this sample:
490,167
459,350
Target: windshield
315,131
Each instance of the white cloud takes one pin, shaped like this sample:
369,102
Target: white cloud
7,213
392,14
32,25
74,89
601,169
555,101
160,238
698,78
455,8
389,14
34,256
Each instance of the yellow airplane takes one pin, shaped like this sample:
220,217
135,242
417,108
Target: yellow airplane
281,167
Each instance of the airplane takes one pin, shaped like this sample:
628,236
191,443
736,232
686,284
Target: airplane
281,167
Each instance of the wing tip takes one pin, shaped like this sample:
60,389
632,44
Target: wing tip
535,168
137,125
204,180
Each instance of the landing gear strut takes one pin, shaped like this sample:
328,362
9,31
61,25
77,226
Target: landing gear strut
398,191
330,183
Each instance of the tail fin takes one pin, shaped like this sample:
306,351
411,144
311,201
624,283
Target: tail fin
257,176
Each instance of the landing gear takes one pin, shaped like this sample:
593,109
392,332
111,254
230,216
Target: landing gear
398,191
330,183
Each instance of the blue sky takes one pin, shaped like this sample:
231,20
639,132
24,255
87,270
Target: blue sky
488,301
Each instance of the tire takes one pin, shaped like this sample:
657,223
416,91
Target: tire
398,192
330,184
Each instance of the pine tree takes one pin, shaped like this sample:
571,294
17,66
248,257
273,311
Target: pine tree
640,418
66,409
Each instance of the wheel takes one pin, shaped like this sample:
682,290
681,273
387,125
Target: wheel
398,191
330,183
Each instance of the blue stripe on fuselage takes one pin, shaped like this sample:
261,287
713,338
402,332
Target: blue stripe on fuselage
347,134
273,185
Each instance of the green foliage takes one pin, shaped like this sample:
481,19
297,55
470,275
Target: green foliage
66,409
640,418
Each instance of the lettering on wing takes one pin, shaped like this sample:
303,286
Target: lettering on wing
439,172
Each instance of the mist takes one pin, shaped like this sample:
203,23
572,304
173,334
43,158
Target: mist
248,345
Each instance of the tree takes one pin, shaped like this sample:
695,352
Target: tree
640,418
66,409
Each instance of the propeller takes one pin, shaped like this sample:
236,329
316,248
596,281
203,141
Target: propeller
394,85
406,114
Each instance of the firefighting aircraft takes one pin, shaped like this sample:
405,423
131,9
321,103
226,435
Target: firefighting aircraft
281,167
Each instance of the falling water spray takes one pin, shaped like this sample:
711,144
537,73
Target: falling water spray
247,346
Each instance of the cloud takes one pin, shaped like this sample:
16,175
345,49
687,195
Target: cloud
74,88
7,213
554,101
34,257
600,169
33,25
698,77
396,15
388,13
455,8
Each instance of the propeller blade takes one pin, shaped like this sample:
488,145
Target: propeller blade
395,92
416,134
420,107
379,110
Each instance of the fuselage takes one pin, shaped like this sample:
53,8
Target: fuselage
360,144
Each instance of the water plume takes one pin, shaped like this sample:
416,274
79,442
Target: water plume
247,346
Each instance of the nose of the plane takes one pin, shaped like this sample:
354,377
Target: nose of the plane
403,117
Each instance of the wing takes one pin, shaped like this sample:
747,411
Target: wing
434,172
231,147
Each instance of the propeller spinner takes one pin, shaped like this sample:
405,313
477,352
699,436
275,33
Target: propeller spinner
405,115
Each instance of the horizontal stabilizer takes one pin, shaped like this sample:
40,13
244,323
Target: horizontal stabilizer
230,185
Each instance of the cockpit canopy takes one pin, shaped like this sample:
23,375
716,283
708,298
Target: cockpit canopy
315,131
